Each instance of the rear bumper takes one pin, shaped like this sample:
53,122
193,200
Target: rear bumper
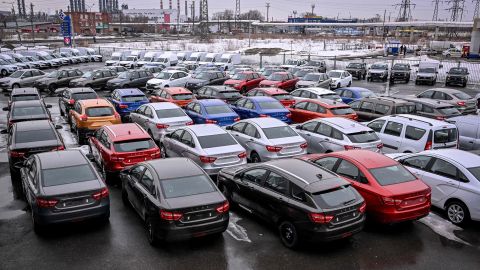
49,217
395,216
172,232
214,171
324,234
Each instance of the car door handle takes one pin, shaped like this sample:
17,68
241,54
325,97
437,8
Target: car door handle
280,199
451,183
308,134
250,140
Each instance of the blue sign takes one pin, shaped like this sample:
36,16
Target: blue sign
66,27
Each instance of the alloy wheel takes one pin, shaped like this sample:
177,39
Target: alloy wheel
456,213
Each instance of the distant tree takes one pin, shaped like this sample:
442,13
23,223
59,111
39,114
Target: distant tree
223,15
252,15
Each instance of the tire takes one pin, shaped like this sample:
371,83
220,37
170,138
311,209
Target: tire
364,76
349,84
105,174
126,86
255,158
37,228
288,234
150,232
407,80
52,87
243,90
166,86
339,85
163,151
15,85
464,85
369,79
416,82
457,212
81,139
4,73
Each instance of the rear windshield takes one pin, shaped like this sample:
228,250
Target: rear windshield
445,135
366,94
134,98
28,111
462,96
99,111
218,109
448,111
392,175
333,198
230,94
279,132
35,135
186,186
182,96
217,140
67,175
475,171
24,97
405,109
132,146
168,113
282,97
271,105
83,96
363,137
342,111
331,96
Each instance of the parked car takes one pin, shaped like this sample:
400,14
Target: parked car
303,71
320,80
252,107
453,176
210,146
468,129
452,52
68,97
320,64
370,108
7,68
400,72
279,94
378,71
114,147
340,78
211,111
457,76
226,93
267,139
88,115
205,78
128,79
170,78
427,73
23,94
349,94
156,70
20,111
96,79
56,79
117,69
127,100
296,197
178,95
433,108
325,135
160,118
315,93
79,194
314,108
464,102
244,81
21,78
406,133
391,192
358,70
267,71
238,69
156,190
282,80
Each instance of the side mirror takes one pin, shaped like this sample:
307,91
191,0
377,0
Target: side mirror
6,109
4,131
91,157
299,127
229,128
168,135
58,127
48,106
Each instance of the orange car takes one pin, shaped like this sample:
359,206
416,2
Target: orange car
91,114
313,108
178,95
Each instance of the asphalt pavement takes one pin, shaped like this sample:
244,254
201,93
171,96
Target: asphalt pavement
249,243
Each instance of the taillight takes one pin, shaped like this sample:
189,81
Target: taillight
116,158
16,154
208,121
320,218
350,147
71,101
271,148
428,145
236,119
362,208
242,155
123,106
223,208
304,145
380,145
391,201
83,117
101,194
156,154
117,116
289,115
59,148
170,216
263,115
46,203
162,126
205,159
189,123
461,103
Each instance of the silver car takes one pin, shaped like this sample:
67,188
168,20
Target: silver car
208,145
325,135
454,177
468,127
21,78
267,139
315,80
160,118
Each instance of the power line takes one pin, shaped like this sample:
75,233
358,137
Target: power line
405,11
435,10
456,9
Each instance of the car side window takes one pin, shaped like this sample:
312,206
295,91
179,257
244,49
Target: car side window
337,134
312,107
426,94
98,134
147,181
382,109
305,94
141,109
327,163
419,162
104,140
355,105
187,139
311,126
438,95
427,109
376,125
239,127
324,129
393,128
177,135
256,176
296,93
148,112
297,193
351,171
190,106
251,130
197,108
249,105
414,133
72,73
276,183
443,168
321,109
301,105
366,107
136,172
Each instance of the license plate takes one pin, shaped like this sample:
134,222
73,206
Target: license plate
138,159
227,160
414,201
343,217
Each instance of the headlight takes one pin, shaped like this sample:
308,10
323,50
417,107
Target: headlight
236,85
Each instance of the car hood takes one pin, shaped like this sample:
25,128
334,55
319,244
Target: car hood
195,200
7,80
231,81
425,74
72,188
156,81
306,83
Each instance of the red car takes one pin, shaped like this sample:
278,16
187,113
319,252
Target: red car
279,94
178,95
115,147
392,193
244,81
282,80
309,109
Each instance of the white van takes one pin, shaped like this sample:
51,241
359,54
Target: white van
405,133
147,58
196,57
44,56
94,56
210,58
229,60
116,56
183,56
167,59
131,60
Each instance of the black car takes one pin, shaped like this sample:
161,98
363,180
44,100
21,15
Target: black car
96,79
62,187
23,94
431,108
57,78
130,79
225,93
321,65
69,96
457,76
303,200
205,78
358,70
400,72
118,69
175,198
29,110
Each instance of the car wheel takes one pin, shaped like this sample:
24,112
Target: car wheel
105,174
81,139
126,86
457,213
369,79
339,85
288,234
364,76
464,85
37,228
15,85
163,151
150,231
4,73
243,90
349,84
166,86
52,87
255,158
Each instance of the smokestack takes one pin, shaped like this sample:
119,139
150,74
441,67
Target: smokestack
186,8
161,4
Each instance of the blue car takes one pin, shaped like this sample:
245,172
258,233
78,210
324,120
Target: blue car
127,101
211,111
350,94
252,107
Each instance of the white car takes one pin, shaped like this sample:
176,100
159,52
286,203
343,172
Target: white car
315,93
169,78
454,177
452,52
340,78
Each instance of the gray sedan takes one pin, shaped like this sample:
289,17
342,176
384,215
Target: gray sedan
208,145
267,139
21,78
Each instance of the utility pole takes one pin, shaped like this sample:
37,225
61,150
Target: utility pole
204,17
31,22
477,8
237,12
384,17
405,12
268,8
456,9
435,10
193,17
313,8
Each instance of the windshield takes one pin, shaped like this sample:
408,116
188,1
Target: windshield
209,59
28,111
84,95
87,75
182,96
449,111
302,73
99,111
282,97
392,175
47,57
342,111
334,74
277,77
230,94
147,59
366,94
240,76
475,171
219,109
218,140
16,74
378,67
400,67
116,58
186,186
426,70
269,72
458,71
279,132
312,77
445,135
131,58
337,197
354,65
25,97
224,60
363,137
193,59
271,105
35,136
53,74
405,109
462,96
133,145
163,76
170,113
137,98
202,76
67,175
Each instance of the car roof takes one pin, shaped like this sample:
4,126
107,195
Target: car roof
433,102
81,90
359,89
99,102
281,72
271,90
266,122
206,129
185,167
346,125
177,90
211,102
129,131
260,99
394,100
327,103
60,159
368,159
27,103
163,105
130,92
33,125
318,90
24,91
247,71
419,119
466,159
446,90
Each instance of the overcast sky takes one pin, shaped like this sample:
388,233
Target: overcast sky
280,9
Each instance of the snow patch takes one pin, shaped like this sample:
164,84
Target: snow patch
442,227
236,231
